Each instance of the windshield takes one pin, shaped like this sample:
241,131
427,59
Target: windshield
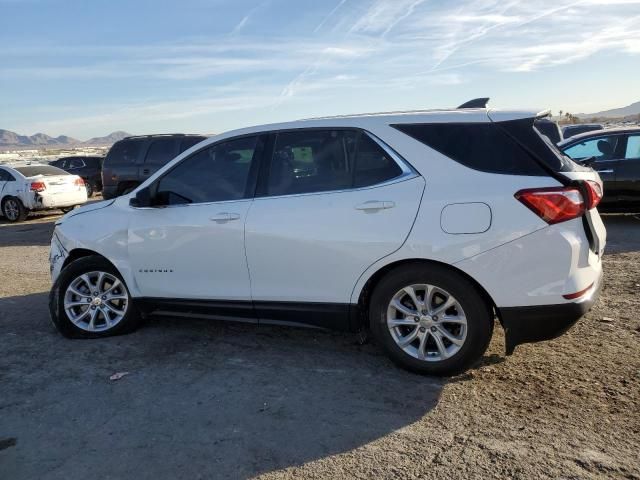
44,170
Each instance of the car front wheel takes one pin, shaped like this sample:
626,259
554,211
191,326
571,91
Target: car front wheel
430,319
90,299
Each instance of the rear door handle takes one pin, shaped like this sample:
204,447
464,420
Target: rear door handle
375,205
223,217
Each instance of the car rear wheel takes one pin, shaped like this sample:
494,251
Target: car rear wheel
89,187
430,319
13,210
68,209
90,299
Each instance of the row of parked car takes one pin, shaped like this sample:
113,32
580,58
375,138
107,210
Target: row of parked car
613,153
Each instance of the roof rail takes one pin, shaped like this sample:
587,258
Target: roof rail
155,135
476,103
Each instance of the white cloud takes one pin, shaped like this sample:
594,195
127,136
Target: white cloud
357,46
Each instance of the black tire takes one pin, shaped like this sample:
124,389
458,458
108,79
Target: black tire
67,209
57,312
18,212
478,315
89,187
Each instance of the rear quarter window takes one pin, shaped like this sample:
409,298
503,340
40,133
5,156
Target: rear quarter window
481,146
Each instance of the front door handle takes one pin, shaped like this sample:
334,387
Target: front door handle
605,171
224,217
372,205
145,171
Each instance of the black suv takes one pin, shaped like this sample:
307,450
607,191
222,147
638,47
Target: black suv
89,168
134,159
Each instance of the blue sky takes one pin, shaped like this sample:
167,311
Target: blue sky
86,68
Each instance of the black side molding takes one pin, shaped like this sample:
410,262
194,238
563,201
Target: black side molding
331,316
475,103
543,322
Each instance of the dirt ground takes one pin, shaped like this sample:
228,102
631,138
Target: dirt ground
208,399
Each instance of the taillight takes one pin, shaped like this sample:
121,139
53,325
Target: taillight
38,186
594,194
554,204
79,182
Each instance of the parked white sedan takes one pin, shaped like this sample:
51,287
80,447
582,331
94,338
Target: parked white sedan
29,187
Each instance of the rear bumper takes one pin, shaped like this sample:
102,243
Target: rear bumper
59,200
544,322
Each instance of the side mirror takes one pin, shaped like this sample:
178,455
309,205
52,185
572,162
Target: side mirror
142,198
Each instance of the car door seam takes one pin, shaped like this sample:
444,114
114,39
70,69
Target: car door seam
415,218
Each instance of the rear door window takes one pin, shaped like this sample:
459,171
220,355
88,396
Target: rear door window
74,163
373,164
315,160
6,176
161,151
602,148
307,161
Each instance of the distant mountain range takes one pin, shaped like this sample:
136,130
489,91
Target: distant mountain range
629,110
12,139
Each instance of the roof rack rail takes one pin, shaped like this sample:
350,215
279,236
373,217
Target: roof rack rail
150,135
476,103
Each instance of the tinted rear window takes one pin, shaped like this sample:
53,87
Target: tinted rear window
46,170
125,151
481,146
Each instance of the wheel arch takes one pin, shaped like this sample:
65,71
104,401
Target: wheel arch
364,296
78,253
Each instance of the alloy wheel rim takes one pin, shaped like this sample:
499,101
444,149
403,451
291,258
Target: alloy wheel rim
96,301
427,322
11,210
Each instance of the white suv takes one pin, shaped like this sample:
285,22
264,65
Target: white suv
421,226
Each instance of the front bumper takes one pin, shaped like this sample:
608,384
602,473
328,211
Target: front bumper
544,322
57,257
